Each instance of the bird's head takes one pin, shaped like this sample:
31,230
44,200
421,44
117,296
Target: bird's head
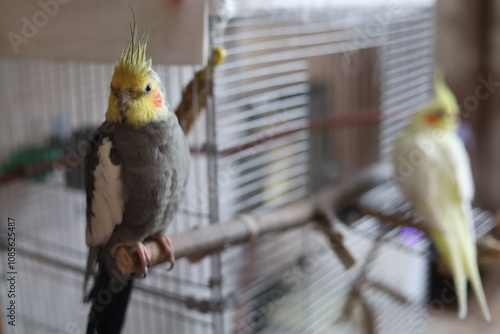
136,96
443,111
439,118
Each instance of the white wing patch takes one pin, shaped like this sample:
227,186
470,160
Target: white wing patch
107,201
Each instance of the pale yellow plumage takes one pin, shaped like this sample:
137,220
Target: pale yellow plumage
432,168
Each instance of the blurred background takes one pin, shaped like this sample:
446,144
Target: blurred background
311,93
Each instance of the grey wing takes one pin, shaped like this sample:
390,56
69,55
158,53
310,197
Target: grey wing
103,186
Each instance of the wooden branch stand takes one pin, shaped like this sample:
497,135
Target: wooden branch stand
198,243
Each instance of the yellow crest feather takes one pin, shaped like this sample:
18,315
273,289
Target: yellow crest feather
443,95
133,59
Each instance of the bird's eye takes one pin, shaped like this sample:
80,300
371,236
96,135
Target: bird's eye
148,88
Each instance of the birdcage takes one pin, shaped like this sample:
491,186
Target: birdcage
304,99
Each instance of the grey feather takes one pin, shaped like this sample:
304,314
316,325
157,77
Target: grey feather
154,171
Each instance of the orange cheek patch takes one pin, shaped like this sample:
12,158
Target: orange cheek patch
157,98
432,118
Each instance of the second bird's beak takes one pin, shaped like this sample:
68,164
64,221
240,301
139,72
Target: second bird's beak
123,99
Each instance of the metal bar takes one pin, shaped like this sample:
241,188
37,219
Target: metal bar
213,189
294,77
268,95
289,67
1,317
363,117
269,107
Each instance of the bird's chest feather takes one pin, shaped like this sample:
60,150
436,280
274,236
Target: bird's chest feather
154,172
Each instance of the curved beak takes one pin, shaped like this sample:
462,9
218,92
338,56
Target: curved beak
123,99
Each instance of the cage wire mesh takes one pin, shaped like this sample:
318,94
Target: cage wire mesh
283,71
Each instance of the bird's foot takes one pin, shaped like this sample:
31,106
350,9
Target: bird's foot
167,245
142,252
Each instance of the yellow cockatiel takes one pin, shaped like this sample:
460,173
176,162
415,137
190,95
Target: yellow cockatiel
432,168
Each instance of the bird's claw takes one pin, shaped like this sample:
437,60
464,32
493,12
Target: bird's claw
143,257
171,266
168,247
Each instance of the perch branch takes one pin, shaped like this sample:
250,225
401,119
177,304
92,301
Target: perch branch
331,226
394,219
206,240
363,282
355,296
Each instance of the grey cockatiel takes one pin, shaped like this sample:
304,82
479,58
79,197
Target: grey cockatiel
135,178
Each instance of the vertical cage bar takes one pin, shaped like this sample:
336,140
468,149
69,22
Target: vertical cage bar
213,186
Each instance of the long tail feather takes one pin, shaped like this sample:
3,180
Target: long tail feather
109,297
447,247
469,258
477,287
458,249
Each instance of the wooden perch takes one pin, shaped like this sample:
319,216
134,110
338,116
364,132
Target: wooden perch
333,228
393,219
355,296
206,240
